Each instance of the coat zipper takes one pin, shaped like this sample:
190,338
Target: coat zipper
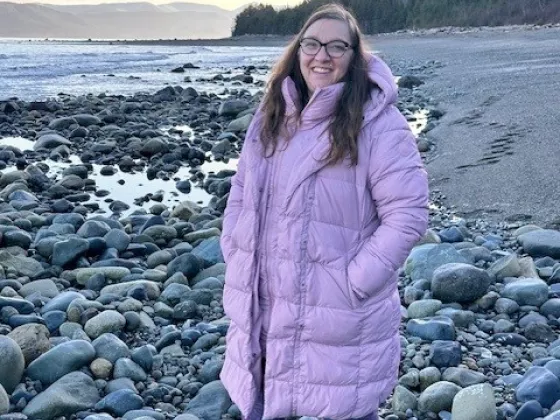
302,296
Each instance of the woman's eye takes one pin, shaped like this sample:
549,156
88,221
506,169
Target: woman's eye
338,47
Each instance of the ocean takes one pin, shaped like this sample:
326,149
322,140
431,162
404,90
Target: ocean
36,70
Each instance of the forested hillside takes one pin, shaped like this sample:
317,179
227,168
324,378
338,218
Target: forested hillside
377,16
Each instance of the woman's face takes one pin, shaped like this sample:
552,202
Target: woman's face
322,70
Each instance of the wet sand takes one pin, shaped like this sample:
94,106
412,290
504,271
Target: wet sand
497,150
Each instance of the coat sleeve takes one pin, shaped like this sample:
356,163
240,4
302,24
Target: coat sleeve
233,207
399,188
235,198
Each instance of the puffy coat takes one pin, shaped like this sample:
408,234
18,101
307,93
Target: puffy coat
333,346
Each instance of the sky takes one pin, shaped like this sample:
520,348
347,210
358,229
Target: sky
225,4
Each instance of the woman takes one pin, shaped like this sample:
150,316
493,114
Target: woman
329,198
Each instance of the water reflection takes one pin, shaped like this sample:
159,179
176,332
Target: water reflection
128,187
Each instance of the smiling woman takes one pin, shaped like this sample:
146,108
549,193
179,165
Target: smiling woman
329,198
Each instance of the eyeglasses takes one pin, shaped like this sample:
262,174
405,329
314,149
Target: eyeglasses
335,49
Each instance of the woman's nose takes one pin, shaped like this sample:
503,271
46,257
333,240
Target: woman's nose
322,54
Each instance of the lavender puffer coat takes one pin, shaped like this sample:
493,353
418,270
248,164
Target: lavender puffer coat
333,346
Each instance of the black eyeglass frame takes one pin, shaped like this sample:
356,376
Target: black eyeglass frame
326,45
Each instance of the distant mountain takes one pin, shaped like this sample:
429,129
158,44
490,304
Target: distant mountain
141,20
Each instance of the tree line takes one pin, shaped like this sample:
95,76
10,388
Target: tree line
377,16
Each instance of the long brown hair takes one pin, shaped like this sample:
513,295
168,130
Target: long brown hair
345,127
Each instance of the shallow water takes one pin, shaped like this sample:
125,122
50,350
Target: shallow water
34,70
132,185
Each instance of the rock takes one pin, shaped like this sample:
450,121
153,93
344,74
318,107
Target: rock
106,322
50,141
152,289
463,377
551,308
46,288
530,410
527,291
73,392
62,123
126,368
428,376
12,363
476,402
424,259
211,402
93,228
445,353
61,360
101,368
120,402
541,243
33,340
64,252
423,308
188,264
117,239
185,210
435,328
4,401
438,397
507,266
506,306
458,282
232,108
23,266
153,147
409,82
403,400
114,274
85,120
109,347
539,384
158,232
210,251
61,301
240,124
210,371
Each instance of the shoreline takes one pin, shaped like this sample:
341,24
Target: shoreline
283,40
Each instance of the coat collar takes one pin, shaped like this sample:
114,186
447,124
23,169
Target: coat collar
316,115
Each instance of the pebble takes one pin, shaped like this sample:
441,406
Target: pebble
438,397
73,392
12,363
61,360
476,402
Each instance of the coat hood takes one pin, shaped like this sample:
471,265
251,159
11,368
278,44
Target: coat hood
324,100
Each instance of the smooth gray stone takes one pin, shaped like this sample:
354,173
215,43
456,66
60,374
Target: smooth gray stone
458,282
424,259
12,363
527,291
61,302
541,243
21,305
539,384
109,347
438,397
211,402
61,360
120,402
73,392
434,328
475,402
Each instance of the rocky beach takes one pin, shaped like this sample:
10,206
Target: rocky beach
111,273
